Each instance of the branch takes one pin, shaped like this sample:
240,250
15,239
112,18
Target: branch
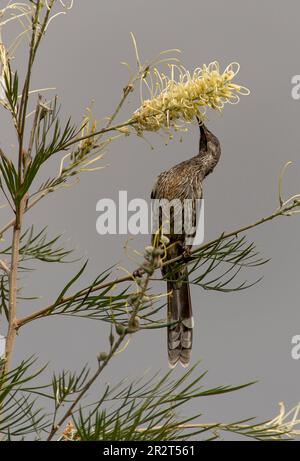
97,133
48,309
285,210
277,213
12,313
104,358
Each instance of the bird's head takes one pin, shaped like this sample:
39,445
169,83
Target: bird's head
207,139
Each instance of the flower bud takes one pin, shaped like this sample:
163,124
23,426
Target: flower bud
149,249
102,356
135,325
158,252
120,329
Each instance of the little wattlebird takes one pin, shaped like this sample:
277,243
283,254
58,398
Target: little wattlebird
182,182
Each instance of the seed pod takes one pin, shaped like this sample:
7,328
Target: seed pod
120,329
102,356
148,269
149,249
145,299
133,298
158,252
135,325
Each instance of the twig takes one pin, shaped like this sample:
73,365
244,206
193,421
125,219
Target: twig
97,133
12,312
47,310
4,267
279,212
126,91
35,123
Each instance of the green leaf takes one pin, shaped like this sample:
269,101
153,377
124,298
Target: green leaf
146,409
12,89
225,259
4,295
37,246
50,139
70,283
10,176
19,415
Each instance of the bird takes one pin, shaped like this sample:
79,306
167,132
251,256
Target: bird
183,181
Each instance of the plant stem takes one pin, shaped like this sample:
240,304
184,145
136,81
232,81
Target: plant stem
236,232
96,133
12,320
25,92
47,310
126,91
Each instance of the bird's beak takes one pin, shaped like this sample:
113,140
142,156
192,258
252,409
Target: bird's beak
201,125
203,137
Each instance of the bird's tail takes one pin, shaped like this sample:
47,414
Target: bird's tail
180,316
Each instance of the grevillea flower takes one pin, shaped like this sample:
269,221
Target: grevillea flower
181,100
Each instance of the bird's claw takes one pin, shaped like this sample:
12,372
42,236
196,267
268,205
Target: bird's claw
187,252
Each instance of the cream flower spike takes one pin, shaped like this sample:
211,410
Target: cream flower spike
183,99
